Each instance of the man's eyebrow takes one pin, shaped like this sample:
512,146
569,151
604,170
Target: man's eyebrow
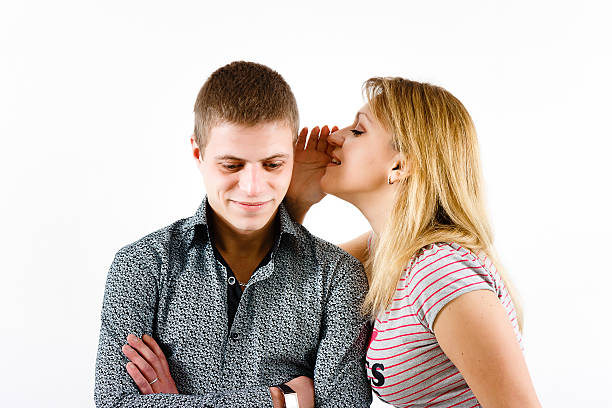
227,157
230,157
277,156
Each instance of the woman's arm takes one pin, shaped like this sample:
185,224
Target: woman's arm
475,333
310,159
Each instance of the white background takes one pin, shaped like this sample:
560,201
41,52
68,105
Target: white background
96,103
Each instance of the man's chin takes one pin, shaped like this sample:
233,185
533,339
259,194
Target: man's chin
251,222
249,227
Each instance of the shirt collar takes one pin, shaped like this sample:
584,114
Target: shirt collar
197,225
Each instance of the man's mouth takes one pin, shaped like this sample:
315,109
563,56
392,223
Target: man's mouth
251,205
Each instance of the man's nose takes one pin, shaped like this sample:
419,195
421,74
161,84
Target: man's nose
252,180
336,138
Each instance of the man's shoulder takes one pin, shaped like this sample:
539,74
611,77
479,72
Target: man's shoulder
154,246
324,252
336,270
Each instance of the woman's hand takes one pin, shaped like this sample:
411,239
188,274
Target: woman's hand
309,162
148,366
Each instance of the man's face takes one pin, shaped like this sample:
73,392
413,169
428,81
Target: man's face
246,172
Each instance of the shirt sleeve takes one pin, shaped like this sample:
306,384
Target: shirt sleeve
440,275
129,306
339,376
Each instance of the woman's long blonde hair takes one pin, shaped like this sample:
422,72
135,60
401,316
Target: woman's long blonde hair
441,199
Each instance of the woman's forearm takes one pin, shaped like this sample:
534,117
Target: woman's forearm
297,210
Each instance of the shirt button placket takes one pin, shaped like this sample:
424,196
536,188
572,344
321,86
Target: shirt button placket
232,355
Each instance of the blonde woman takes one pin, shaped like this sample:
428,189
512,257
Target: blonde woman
446,328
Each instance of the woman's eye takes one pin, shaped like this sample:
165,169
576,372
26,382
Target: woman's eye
356,132
273,165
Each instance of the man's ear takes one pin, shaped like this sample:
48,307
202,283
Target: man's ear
400,169
195,149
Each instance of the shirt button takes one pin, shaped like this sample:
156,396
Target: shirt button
234,336
231,280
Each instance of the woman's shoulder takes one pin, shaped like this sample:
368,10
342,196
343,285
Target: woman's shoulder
441,272
437,251
442,250
442,259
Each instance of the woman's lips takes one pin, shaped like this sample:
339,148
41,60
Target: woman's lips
334,161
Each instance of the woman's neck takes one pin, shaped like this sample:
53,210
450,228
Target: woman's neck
375,206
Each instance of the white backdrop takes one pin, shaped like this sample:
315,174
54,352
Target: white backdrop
96,104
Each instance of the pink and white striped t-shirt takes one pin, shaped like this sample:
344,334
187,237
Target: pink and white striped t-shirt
405,363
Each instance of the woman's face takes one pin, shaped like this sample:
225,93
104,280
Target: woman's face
362,158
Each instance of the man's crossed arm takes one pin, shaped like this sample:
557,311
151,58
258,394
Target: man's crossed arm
147,361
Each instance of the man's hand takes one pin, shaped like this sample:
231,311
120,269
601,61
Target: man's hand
148,366
303,387
309,163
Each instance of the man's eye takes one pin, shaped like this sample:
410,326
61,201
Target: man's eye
231,166
273,165
356,132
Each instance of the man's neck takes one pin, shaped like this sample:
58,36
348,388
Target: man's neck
243,251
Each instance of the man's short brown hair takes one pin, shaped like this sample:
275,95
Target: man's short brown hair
243,93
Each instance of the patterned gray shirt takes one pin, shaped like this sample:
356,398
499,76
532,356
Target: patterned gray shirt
298,315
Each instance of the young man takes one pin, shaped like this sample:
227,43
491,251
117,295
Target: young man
226,305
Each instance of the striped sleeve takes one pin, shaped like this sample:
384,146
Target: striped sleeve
443,273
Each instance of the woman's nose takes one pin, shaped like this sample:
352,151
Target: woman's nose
336,138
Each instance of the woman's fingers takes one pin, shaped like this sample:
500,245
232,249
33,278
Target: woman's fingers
301,140
313,139
318,139
141,382
322,145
